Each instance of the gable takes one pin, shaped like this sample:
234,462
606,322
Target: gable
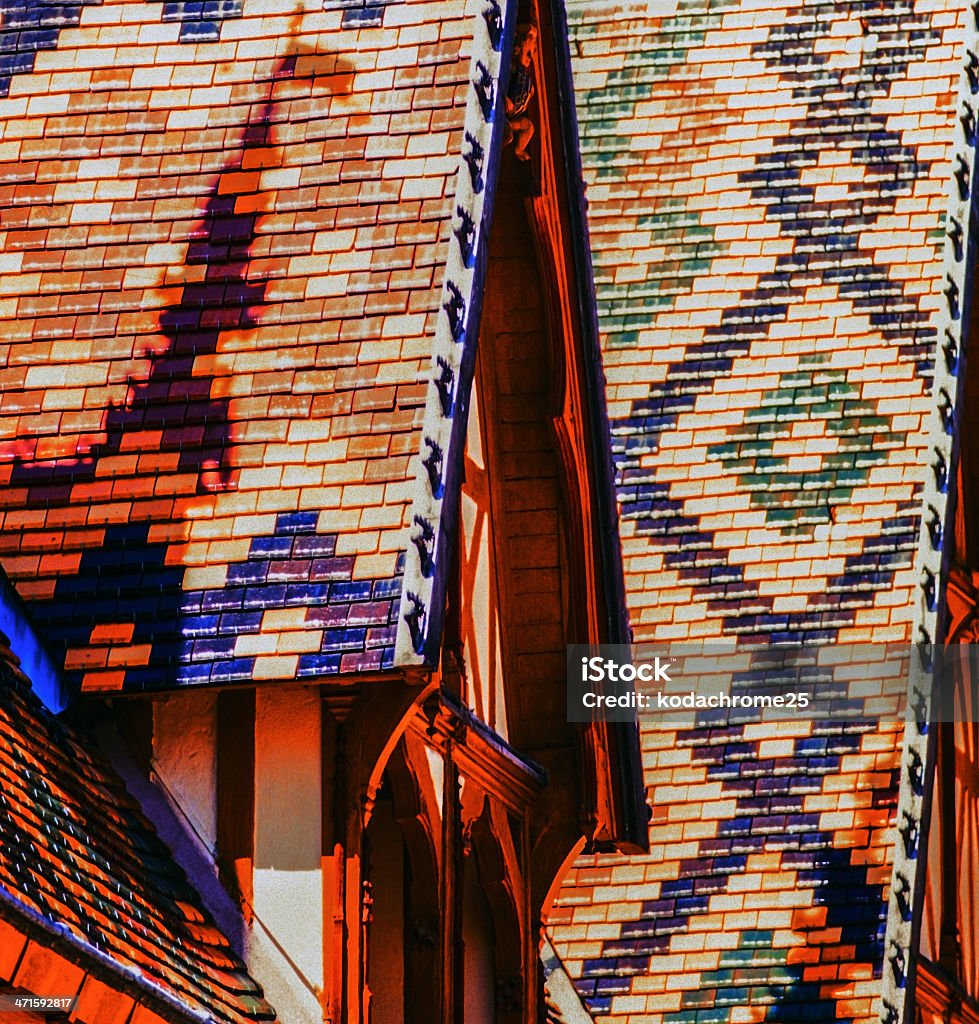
767,196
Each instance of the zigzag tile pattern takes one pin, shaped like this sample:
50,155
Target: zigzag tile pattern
26,27
765,194
29,26
291,609
766,892
766,191
363,13
201,20
220,270
76,849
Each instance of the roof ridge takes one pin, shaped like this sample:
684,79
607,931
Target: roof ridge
438,460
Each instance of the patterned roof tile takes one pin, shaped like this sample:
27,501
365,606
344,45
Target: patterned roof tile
225,234
766,191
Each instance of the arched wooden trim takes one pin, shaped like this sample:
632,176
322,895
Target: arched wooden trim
504,894
551,896
361,730
381,729
421,936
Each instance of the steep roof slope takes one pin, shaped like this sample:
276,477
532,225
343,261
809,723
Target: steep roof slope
765,192
80,862
766,184
224,251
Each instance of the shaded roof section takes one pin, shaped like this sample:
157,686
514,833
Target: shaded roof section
224,260
78,858
766,187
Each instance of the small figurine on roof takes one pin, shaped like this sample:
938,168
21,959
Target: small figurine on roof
519,127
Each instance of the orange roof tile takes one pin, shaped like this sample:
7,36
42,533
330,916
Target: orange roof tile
77,856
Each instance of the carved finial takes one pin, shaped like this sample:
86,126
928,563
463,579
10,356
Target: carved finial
952,298
415,618
897,964
972,72
919,705
889,1014
493,15
935,528
909,833
962,174
520,91
901,892
951,351
916,773
474,161
955,237
444,382
425,542
466,235
968,121
485,92
940,468
433,463
946,411
928,586
456,309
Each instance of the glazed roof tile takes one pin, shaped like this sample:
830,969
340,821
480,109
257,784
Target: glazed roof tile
225,239
77,852
765,201
767,185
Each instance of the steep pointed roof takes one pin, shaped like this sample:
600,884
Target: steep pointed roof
88,892
238,262
767,190
765,198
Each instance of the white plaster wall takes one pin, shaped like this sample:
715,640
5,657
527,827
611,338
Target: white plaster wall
285,947
179,796
185,759
436,769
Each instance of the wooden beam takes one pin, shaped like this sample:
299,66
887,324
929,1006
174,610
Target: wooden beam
236,794
949,948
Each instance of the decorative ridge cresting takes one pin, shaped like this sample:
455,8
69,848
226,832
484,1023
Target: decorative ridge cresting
933,556
434,497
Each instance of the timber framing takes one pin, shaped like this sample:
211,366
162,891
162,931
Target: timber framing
940,997
479,753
